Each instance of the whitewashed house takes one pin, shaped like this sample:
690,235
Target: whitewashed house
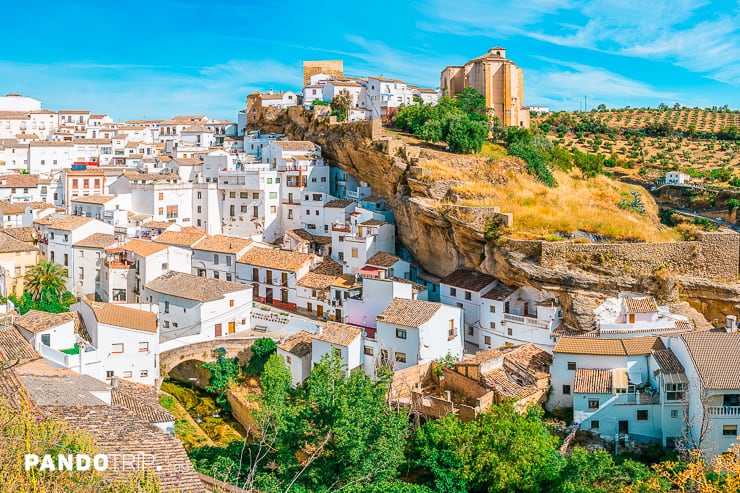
336,338
216,256
201,308
358,239
637,315
464,288
129,267
296,351
90,256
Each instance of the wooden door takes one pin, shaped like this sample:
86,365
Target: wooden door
268,295
232,327
218,330
319,310
338,316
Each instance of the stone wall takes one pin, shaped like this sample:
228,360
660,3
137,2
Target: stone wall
242,410
462,385
408,379
714,255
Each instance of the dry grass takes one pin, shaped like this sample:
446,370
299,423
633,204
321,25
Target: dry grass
576,204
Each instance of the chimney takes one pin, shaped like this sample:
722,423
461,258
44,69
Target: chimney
114,382
270,91
731,324
319,328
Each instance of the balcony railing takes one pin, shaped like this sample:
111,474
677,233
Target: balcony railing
725,411
531,321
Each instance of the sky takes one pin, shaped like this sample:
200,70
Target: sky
157,59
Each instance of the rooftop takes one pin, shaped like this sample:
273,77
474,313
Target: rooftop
716,356
141,400
642,304
141,247
337,333
9,244
122,316
312,280
298,344
470,280
180,238
297,145
66,223
97,240
409,313
276,259
13,208
590,381
608,347
18,180
338,204
36,321
499,292
14,346
222,244
25,234
382,259
190,287
93,199
667,361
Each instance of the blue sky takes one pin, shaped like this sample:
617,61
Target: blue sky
155,59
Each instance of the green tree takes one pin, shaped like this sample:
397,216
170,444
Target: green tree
732,204
466,135
501,451
261,351
224,373
341,105
46,279
471,102
597,472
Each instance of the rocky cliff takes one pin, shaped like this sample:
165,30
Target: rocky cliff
442,239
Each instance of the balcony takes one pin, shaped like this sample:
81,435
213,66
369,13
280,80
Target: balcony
725,411
531,321
638,398
70,358
342,228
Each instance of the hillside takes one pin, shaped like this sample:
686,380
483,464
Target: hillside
643,144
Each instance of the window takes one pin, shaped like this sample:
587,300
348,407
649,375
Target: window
642,415
273,209
400,357
144,373
269,181
571,365
355,253
116,348
509,332
674,391
468,295
255,195
729,430
143,347
232,195
81,272
594,424
161,196
66,259
167,307
127,374
166,324
199,195
453,292
215,259
674,413
368,350
487,340
273,195
492,324
471,330
243,209
492,308
451,332
287,359
243,195
255,211
566,389
593,403
401,333
231,302
200,209
216,274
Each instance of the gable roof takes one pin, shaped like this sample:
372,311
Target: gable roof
67,223
275,259
645,304
716,356
298,344
468,279
10,244
142,247
382,259
409,313
122,316
593,381
93,199
608,347
14,346
97,240
338,333
222,244
190,287
36,321
180,238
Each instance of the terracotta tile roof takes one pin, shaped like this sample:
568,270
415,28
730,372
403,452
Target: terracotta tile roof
152,176
74,112
180,238
590,381
345,281
276,259
339,334
372,222
141,400
121,316
26,234
97,240
157,224
383,259
298,344
13,346
409,313
303,235
338,204
11,208
667,361
499,292
297,145
641,305
470,280
608,347
35,321
531,359
222,244
68,223
188,161
313,280
19,180
92,141
142,248
329,268
10,244
46,143
499,381
190,287
716,356
93,199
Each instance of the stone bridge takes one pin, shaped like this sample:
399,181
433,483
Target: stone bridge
236,347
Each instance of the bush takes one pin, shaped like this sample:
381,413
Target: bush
261,351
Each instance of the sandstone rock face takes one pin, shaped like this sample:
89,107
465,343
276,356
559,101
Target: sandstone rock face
441,240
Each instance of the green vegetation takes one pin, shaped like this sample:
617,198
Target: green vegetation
262,349
45,290
224,373
341,105
461,122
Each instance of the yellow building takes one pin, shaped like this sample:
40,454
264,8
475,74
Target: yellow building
498,79
16,257
335,68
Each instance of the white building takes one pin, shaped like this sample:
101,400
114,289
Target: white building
464,288
216,256
296,351
384,94
630,315
355,241
676,178
336,338
89,259
410,332
201,307
164,197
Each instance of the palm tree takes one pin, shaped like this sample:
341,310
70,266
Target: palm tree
46,276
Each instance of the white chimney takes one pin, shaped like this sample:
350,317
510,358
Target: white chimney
731,324
318,329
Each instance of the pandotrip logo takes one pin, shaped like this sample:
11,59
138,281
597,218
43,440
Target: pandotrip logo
85,462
